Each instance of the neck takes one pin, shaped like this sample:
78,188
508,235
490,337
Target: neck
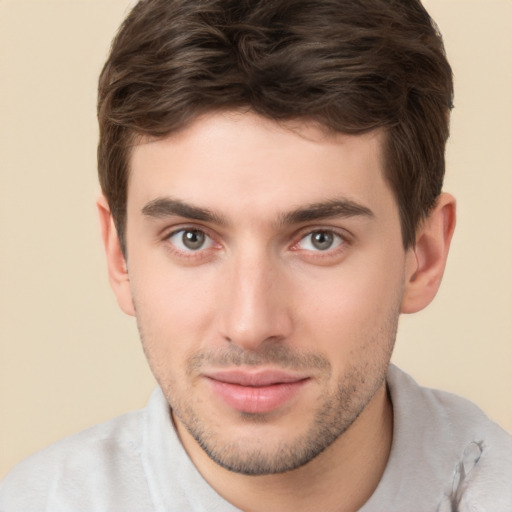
341,479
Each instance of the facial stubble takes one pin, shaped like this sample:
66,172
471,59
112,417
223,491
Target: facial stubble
336,413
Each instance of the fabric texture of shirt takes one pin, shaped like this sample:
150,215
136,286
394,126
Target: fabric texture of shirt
446,456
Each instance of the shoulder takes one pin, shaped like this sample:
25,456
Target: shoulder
454,439
454,416
74,464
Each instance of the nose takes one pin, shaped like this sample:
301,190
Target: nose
256,308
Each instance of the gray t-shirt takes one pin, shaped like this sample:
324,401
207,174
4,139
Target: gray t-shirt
446,456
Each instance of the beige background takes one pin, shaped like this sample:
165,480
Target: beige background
69,358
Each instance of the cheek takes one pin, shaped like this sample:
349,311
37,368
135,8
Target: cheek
174,309
353,308
169,290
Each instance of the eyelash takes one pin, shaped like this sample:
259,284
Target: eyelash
190,253
342,240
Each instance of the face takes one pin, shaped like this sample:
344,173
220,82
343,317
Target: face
266,272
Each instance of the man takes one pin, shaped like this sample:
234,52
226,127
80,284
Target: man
271,176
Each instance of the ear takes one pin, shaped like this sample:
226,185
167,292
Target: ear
116,262
426,261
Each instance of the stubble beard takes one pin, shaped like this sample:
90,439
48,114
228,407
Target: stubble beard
334,416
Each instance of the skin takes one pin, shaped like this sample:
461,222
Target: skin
292,261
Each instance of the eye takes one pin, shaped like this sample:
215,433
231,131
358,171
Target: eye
320,240
190,240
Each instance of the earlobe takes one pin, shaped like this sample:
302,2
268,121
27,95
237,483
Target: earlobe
116,262
426,261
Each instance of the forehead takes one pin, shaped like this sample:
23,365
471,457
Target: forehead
236,161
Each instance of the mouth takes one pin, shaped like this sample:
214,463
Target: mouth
256,392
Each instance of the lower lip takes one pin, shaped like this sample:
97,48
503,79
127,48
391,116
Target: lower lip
256,400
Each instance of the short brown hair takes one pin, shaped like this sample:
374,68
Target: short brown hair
353,66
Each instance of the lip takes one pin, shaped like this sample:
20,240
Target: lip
255,392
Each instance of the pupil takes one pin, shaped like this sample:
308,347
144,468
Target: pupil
193,239
322,240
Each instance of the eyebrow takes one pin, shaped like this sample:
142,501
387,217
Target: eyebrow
333,208
168,207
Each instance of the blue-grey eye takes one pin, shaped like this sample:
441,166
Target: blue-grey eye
190,240
320,240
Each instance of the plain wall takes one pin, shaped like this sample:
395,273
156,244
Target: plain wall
69,358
